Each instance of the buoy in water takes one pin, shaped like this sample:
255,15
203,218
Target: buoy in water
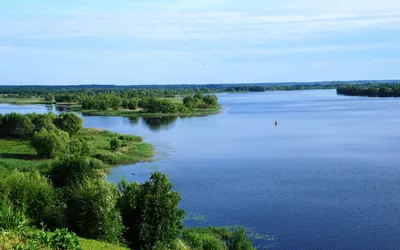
276,123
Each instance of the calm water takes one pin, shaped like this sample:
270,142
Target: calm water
327,177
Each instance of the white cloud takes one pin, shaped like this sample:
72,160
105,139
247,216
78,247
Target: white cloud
295,20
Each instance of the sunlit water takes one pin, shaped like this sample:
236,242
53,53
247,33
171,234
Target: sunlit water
327,177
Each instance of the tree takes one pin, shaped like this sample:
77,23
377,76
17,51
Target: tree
210,100
199,96
133,104
71,169
115,144
69,122
151,213
92,210
16,126
79,147
50,144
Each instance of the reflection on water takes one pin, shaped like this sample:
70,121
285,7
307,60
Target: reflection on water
157,123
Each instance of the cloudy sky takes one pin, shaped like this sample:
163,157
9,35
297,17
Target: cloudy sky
197,41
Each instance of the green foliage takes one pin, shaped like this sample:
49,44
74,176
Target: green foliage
370,90
32,239
239,240
92,210
50,144
30,192
206,238
115,144
16,126
10,217
69,170
79,146
69,122
150,212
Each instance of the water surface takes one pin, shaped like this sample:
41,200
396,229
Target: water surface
327,177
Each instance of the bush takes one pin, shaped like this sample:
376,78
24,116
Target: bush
239,240
50,144
71,169
79,147
115,144
30,192
130,138
10,217
92,210
150,212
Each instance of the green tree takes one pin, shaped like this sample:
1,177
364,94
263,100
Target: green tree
71,169
69,122
133,104
151,213
79,147
50,144
91,210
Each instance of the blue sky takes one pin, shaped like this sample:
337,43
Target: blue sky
167,41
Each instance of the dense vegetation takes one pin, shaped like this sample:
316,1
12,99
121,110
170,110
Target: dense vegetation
370,90
75,93
50,208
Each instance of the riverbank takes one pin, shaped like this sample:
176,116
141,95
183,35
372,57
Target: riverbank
140,113
18,154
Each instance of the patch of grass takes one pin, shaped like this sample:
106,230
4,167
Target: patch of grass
138,113
9,240
18,154
98,245
133,149
29,100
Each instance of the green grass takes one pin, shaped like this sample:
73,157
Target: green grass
18,154
29,100
9,239
138,113
98,245
133,149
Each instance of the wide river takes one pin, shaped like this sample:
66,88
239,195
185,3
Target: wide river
327,177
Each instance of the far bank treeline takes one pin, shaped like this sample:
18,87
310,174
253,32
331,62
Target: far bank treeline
370,90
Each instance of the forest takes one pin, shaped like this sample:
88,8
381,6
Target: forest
370,90
65,199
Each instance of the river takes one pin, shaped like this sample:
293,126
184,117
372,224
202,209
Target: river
327,177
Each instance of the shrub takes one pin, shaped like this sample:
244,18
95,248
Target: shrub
115,144
79,147
30,192
130,138
239,240
50,144
71,169
10,217
92,210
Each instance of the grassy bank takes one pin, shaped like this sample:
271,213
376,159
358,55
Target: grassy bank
21,101
18,154
10,240
138,113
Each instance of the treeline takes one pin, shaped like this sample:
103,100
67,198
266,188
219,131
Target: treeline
370,90
149,104
78,93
